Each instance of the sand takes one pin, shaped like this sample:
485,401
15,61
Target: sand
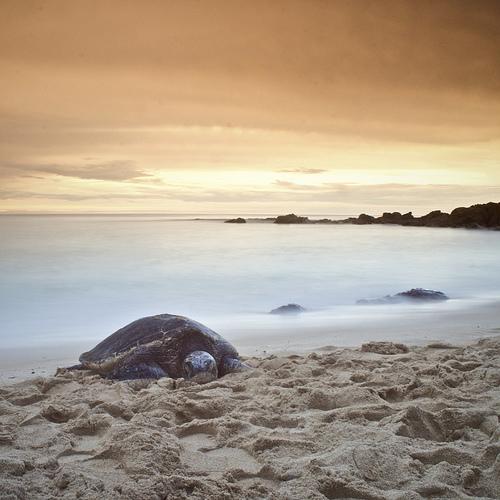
338,423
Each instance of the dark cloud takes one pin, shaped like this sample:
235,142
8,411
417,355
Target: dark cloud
425,43
425,71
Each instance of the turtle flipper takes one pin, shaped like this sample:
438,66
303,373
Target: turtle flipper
79,366
65,369
233,365
148,369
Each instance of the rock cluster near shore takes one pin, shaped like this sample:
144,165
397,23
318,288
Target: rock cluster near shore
474,217
347,423
481,216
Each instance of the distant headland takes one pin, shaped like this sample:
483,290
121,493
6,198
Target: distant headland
481,216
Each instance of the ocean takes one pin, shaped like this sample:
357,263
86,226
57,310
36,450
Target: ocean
73,280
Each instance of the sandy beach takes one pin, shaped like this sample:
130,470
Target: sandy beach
249,250
336,423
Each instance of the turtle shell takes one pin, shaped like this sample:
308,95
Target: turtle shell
164,339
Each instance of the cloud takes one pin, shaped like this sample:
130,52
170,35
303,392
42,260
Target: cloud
299,187
303,171
326,197
113,170
12,195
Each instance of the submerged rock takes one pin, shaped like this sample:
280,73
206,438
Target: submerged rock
238,220
415,294
288,309
423,294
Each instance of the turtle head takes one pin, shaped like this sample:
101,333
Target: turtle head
200,366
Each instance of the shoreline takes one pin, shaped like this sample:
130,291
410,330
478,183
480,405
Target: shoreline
342,423
259,335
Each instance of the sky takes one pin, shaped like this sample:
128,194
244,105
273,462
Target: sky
241,107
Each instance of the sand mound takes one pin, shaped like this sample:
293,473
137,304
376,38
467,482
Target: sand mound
388,423
384,348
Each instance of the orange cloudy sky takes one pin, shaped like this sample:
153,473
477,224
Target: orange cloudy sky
332,106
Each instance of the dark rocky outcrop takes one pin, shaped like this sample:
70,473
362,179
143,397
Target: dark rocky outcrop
364,219
415,294
436,218
288,309
291,219
483,216
238,220
395,218
423,294
487,215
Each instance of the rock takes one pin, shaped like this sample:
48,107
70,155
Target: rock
384,348
435,218
415,294
481,216
423,294
288,309
477,216
238,220
291,219
395,218
364,219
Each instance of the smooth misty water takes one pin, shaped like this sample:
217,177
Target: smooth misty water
78,278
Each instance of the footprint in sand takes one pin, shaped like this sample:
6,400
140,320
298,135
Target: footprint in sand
73,456
200,453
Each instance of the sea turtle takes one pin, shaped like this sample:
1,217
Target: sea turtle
164,345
